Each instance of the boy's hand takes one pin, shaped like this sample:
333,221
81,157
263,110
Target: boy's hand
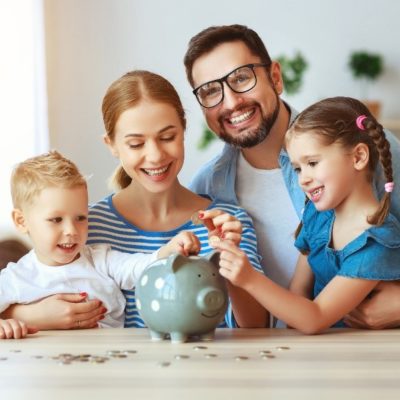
234,264
221,224
12,328
185,243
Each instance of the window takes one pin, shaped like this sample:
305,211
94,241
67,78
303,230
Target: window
23,100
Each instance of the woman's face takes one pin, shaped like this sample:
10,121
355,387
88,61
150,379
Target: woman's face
148,142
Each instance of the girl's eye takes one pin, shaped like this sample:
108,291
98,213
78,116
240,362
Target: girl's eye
312,163
82,218
297,170
135,145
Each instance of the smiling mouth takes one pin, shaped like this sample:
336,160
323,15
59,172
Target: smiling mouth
156,171
67,246
241,118
316,194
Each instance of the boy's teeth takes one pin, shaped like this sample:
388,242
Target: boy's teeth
153,172
240,118
67,245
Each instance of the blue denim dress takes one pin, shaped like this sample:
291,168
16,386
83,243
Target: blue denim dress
374,255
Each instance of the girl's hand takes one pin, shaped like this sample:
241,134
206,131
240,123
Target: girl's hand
60,311
222,224
234,264
185,243
12,328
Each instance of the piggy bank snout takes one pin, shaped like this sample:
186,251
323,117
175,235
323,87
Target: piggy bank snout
210,299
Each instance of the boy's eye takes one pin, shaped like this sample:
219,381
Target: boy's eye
82,218
312,163
56,220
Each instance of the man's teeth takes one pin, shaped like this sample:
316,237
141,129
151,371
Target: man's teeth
316,192
241,117
67,245
153,172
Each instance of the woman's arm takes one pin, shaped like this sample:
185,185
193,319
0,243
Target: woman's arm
61,311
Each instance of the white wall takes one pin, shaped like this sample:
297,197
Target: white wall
90,43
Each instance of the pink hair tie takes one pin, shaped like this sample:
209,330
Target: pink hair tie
389,187
359,122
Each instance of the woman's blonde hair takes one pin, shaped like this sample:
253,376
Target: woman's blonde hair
126,92
33,175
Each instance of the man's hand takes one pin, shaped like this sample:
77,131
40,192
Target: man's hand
380,310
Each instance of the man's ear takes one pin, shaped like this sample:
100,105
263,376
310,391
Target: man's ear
19,220
276,77
360,156
110,145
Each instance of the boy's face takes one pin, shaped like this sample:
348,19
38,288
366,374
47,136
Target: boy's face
57,223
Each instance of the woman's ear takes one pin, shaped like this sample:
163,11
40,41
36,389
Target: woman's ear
360,156
110,145
19,220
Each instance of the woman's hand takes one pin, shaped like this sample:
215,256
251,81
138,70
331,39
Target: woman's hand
222,225
12,328
60,311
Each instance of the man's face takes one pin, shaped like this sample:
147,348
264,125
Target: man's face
241,119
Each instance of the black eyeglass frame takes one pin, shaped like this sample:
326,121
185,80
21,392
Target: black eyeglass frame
224,79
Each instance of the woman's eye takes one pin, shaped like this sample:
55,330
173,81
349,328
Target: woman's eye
135,145
168,138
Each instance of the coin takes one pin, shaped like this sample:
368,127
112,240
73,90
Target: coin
196,219
3,358
214,239
241,358
211,355
264,352
163,364
267,356
283,348
181,357
200,347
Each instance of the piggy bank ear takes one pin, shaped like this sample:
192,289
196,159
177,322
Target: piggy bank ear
176,261
213,257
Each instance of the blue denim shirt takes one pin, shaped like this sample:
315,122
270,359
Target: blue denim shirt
373,255
217,177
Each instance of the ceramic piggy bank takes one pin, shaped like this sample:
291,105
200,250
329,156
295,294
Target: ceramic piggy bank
182,297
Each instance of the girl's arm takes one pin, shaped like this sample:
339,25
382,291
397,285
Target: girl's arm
339,297
302,282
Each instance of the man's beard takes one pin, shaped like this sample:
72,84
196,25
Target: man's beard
250,138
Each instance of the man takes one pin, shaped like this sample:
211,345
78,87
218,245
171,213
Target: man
238,86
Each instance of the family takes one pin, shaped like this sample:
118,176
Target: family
306,204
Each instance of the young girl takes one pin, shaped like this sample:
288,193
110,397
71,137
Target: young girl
348,240
145,124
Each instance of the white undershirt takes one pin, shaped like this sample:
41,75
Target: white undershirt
263,194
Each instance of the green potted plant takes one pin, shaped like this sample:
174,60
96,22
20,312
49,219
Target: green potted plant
292,74
366,67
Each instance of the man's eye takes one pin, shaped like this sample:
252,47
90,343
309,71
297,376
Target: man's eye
210,91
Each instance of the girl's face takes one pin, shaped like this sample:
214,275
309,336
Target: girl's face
326,172
149,144
57,223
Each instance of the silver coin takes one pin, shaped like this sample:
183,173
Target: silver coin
181,357
211,355
163,364
195,219
283,348
267,356
15,351
200,347
264,352
3,358
37,357
241,358
129,351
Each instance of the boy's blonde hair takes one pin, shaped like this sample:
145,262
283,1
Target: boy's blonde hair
33,175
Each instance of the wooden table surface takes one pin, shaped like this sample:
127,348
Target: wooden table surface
340,364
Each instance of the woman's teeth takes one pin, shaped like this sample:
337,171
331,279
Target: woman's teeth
240,118
154,172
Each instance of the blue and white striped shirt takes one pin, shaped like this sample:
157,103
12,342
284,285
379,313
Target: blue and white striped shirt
107,226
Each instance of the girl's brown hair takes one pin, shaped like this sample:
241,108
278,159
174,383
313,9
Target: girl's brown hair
127,92
334,119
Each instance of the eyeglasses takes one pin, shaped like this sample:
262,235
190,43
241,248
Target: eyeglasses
240,80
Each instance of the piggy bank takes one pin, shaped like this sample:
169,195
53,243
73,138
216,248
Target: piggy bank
181,297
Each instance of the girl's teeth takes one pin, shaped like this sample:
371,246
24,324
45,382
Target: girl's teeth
241,118
153,172
316,192
67,245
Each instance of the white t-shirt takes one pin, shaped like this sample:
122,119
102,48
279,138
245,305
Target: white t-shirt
263,194
99,271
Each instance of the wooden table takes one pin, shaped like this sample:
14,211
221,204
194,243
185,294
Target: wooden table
340,364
